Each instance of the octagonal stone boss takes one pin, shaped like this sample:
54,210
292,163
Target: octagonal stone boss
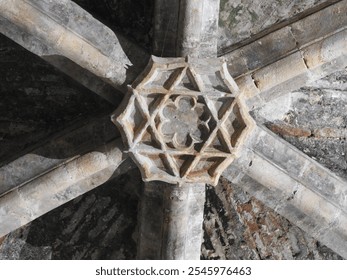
183,120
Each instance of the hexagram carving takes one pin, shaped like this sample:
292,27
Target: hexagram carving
183,120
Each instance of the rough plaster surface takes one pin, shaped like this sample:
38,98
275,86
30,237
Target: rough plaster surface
240,19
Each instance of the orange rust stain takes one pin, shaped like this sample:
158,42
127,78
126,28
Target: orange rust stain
247,207
287,130
274,220
250,240
253,227
2,239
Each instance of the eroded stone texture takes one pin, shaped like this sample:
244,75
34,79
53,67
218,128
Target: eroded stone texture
183,120
224,245
185,27
238,226
102,225
98,225
170,221
320,111
241,19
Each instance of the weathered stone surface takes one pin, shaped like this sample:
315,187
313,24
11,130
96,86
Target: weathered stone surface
327,229
262,52
240,20
333,18
102,225
98,225
303,169
286,130
54,151
189,27
209,29
292,38
16,247
309,195
183,120
321,108
296,70
198,28
186,27
50,190
170,221
76,72
51,24
238,226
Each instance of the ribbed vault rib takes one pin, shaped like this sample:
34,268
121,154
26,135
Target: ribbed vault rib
59,149
47,29
265,69
295,186
285,179
60,185
185,28
182,28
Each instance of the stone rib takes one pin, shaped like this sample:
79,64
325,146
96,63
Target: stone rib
287,40
265,69
295,186
47,29
60,185
171,216
186,27
56,150
170,221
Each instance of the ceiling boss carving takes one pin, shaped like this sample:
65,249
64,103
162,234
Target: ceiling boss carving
183,120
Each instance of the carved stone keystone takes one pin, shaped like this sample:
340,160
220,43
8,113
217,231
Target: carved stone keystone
183,120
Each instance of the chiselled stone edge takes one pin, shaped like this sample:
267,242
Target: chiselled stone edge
53,34
267,69
173,63
60,185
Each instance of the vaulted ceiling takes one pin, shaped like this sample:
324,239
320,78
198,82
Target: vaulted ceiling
288,58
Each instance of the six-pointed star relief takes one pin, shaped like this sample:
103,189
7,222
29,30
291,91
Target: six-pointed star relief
182,120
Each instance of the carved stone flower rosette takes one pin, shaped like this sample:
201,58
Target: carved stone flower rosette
183,120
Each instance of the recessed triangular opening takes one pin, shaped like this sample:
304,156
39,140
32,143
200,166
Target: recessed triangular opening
219,144
171,79
205,167
148,138
137,119
215,82
188,82
222,105
238,125
162,163
153,101
183,163
163,78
